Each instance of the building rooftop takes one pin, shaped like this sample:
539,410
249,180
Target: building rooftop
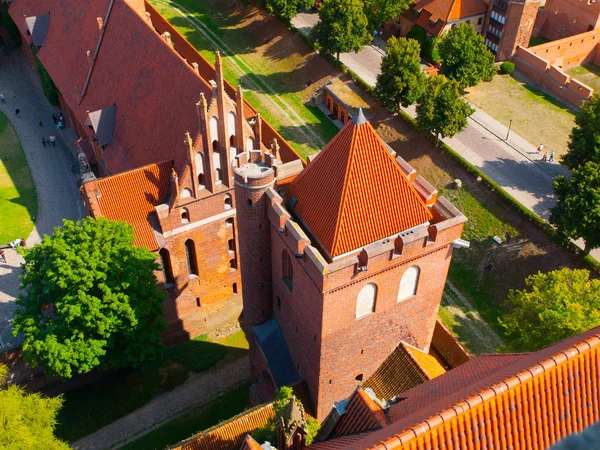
131,196
354,192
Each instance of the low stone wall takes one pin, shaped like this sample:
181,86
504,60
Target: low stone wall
571,51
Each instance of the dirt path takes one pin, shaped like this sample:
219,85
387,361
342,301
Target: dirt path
468,316
200,388
244,68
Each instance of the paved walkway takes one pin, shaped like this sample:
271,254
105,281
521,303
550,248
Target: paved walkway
56,185
513,163
199,389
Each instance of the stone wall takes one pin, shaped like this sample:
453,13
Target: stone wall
563,18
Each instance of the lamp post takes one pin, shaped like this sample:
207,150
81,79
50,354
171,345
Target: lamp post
509,127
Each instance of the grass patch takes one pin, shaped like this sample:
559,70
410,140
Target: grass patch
588,74
195,420
537,41
91,407
18,198
269,70
537,116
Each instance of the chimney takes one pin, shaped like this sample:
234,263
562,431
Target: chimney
100,23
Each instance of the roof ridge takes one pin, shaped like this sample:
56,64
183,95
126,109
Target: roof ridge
130,171
458,408
412,358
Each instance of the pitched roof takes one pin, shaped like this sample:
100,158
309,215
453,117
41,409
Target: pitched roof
131,197
250,444
362,414
155,90
527,400
405,368
445,347
273,345
354,192
432,15
231,434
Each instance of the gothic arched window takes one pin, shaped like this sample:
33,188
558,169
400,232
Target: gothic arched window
408,283
365,302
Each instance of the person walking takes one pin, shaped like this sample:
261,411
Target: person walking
552,156
2,99
53,141
540,149
39,121
545,157
43,141
17,111
3,256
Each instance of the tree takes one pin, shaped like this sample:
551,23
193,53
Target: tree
432,49
27,420
465,57
380,11
90,300
418,34
401,81
584,144
553,306
442,111
342,27
286,9
577,210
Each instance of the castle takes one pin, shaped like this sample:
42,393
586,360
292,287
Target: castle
342,261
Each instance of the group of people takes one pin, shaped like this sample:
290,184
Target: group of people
540,151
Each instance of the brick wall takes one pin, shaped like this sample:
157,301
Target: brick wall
563,18
544,64
517,30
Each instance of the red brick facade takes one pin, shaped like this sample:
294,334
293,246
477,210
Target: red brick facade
316,307
563,18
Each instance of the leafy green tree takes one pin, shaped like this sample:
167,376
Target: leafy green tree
553,306
401,81
342,27
432,49
90,300
577,210
418,34
584,144
286,9
465,57
27,420
441,110
380,11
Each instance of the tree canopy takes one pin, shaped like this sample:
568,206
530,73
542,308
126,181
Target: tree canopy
342,27
286,9
577,210
584,144
27,420
90,300
401,81
553,306
380,11
441,110
465,57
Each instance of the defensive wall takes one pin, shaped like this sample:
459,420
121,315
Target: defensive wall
561,18
207,71
544,64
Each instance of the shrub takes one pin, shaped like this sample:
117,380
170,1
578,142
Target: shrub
432,52
507,67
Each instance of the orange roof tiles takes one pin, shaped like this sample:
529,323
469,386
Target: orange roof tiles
354,193
433,15
250,444
520,401
405,368
231,434
131,197
362,414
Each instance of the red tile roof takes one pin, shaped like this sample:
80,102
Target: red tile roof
154,89
231,434
440,12
131,197
520,401
250,444
354,193
362,414
405,368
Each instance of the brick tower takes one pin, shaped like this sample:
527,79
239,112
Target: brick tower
510,24
360,248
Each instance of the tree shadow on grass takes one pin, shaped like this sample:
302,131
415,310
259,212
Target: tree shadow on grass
89,408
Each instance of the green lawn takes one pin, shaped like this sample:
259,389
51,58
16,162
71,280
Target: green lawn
91,407
195,420
269,72
18,198
588,74
536,116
